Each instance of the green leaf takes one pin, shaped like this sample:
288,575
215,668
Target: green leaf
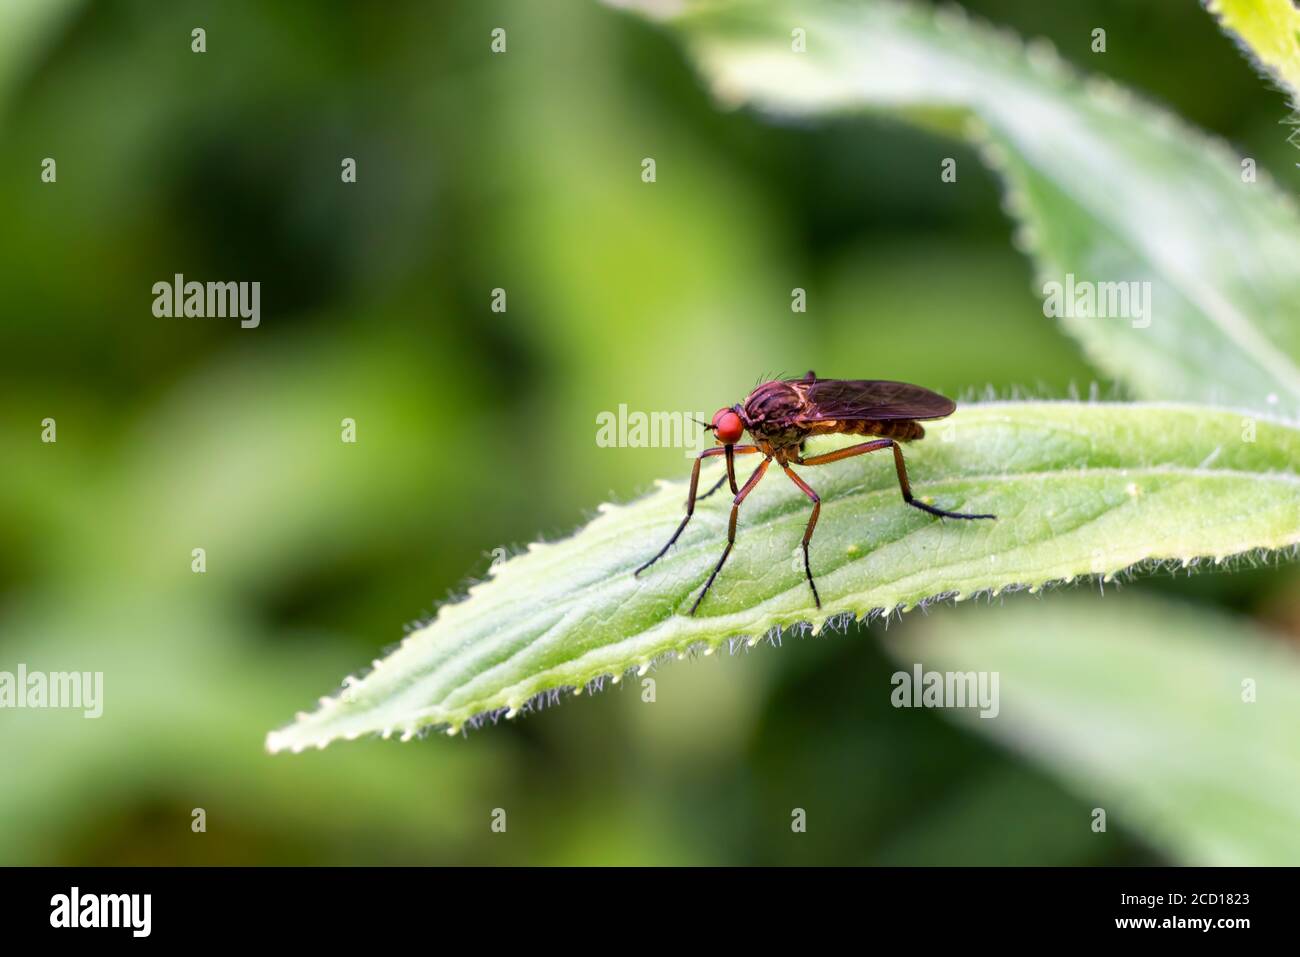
1079,489
25,27
1138,706
1105,187
1270,32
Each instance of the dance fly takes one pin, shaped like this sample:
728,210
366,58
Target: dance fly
781,415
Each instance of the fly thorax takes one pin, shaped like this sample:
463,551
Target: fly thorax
773,402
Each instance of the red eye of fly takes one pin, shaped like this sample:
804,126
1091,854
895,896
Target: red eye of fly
728,427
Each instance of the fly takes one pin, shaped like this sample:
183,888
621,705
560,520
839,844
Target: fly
780,416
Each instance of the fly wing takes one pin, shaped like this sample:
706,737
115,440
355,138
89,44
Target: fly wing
871,399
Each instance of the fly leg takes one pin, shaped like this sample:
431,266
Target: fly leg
719,484
731,528
716,485
695,484
808,532
899,466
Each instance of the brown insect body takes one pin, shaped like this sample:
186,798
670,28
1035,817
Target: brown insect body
780,416
905,430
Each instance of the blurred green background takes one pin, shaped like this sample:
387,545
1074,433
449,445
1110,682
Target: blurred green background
476,429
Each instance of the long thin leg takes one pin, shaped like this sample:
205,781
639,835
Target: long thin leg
860,449
808,532
899,466
718,484
690,500
731,528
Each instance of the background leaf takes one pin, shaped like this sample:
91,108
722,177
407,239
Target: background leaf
25,28
1137,705
1105,187
1079,489
1270,32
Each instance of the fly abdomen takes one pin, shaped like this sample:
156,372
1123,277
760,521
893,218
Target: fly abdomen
904,430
